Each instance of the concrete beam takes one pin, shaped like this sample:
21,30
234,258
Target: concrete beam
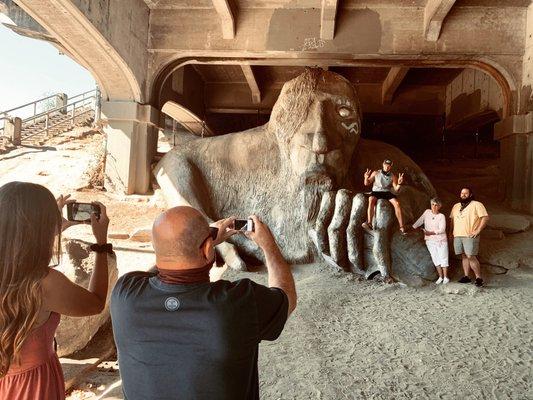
234,98
328,13
189,120
434,14
391,83
252,82
227,17
514,125
86,45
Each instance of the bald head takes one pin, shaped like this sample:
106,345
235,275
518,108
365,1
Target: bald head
179,233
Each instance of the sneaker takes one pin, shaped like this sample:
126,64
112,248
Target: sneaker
465,279
445,281
479,282
367,226
438,281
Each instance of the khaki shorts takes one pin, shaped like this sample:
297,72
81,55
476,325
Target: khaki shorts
466,245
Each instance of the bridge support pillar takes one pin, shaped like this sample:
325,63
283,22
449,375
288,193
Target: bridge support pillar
515,134
131,130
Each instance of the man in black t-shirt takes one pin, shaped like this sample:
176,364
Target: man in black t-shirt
180,336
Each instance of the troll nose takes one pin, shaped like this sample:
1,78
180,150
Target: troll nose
320,143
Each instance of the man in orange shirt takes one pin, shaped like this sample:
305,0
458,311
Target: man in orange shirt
467,220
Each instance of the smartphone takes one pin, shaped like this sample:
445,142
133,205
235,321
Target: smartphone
81,212
244,225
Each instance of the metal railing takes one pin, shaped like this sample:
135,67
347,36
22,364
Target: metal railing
32,103
61,114
85,106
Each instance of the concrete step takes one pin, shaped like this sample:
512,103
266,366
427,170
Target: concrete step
38,138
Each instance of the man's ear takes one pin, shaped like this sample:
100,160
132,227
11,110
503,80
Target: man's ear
207,248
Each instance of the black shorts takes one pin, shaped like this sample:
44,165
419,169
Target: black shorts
383,195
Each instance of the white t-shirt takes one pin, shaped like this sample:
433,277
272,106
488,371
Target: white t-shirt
434,223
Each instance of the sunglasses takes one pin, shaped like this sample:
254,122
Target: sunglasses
213,233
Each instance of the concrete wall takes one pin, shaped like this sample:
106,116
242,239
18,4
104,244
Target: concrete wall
187,88
516,160
526,93
365,30
470,93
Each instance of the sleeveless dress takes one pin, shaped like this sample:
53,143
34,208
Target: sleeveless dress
39,375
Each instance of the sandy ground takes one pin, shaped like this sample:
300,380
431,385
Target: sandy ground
348,339
351,339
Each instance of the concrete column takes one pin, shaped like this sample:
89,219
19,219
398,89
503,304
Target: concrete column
13,129
61,100
131,130
516,160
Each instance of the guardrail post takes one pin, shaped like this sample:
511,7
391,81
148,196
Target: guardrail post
62,100
97,105
46,124
72,115
13,129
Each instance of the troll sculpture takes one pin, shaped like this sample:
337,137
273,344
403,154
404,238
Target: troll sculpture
302,173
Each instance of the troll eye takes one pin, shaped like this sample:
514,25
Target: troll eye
344,112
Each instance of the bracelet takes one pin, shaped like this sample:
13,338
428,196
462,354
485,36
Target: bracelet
102,248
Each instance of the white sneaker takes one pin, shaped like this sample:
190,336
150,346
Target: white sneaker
445,281
438,281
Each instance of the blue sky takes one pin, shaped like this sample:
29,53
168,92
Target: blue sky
30,69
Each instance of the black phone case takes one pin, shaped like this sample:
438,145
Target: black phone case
70,215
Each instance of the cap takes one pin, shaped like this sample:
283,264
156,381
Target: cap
387,161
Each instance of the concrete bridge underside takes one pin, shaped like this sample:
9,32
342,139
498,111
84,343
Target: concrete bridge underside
219,57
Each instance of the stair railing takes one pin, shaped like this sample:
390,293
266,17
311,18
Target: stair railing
74,109
32,103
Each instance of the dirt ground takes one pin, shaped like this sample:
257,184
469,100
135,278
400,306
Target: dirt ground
348,338
351,339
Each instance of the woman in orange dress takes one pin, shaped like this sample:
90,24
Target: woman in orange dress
33,295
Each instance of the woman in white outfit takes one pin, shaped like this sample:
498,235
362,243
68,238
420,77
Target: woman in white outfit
435,234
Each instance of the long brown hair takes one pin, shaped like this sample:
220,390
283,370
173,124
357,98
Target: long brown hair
30,228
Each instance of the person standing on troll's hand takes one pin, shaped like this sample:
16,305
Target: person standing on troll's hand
467,220
435,235
383,182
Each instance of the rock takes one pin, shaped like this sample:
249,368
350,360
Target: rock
77,264
118,235
142,235
492,234
495,269
509,223
496,252
459,288
158,199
